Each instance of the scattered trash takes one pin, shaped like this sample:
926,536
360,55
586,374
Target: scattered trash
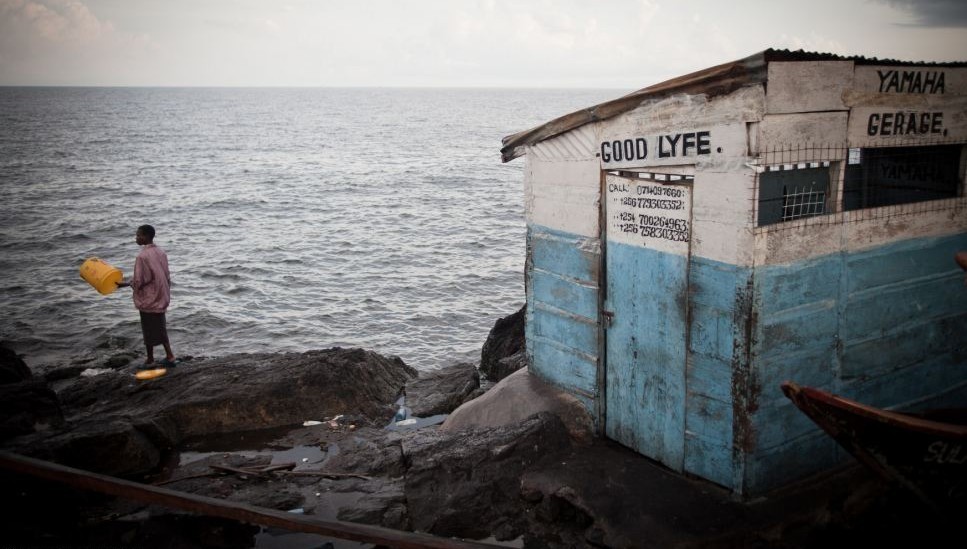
305,460
402,413
416,422
311,423
318,494
91,372
334,422
297,511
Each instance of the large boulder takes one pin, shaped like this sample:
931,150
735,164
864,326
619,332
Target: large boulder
518,397
26,407
504,351
139,420
442,391
12,368
468,485
251,391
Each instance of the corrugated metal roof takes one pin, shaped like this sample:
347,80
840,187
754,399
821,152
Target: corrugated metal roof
718,80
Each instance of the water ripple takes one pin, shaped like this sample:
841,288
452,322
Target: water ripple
293,218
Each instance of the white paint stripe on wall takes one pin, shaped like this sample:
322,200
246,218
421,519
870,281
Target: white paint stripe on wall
802,131
563,195
682,129
722,216
859,230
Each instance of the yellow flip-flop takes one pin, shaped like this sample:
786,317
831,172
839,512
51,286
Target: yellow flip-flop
151,374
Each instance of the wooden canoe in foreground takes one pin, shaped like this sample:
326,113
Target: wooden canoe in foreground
923,453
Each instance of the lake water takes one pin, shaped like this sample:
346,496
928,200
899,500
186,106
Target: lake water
293,219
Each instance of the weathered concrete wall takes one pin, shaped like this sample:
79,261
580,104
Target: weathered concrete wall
882,323
867,303
562,199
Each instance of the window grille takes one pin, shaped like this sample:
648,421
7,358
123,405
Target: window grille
793,191
803,201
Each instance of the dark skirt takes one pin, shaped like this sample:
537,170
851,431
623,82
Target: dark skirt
154,328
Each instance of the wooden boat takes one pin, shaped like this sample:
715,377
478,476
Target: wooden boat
925,453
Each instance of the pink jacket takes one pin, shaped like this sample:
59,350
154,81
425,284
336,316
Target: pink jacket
151,281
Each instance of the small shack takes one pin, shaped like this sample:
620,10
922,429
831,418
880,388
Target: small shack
788,216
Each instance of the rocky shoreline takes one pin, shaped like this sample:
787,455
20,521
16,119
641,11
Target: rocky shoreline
337,434
245,412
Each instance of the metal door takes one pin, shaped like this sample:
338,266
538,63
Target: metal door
647,235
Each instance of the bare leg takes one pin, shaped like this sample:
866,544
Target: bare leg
168,353
150,354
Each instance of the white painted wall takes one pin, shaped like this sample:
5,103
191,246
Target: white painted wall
808,86
562,183
825,103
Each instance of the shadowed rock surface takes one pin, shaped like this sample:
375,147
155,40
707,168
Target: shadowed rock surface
119,425
504,351
468,484
27,404
12,368
442,391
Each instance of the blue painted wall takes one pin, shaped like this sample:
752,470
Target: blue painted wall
717,358
562,328
646,351
886,326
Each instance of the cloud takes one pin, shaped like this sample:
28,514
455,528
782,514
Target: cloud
813,42
54,21
62,41
933,13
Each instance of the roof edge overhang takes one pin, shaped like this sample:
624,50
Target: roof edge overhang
718,80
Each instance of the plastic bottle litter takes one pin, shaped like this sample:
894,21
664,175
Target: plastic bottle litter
310,423
401,414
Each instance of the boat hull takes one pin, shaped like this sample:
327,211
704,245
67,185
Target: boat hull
926,457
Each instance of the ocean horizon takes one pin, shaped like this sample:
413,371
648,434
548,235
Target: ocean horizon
294,218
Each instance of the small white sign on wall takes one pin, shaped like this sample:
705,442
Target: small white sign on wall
648,214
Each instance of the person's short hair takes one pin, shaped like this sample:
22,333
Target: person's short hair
147,230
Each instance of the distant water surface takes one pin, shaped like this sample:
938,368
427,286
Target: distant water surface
294,219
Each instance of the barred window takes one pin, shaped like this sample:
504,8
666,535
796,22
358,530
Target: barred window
900,175
793,192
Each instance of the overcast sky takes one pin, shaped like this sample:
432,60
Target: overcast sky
625,44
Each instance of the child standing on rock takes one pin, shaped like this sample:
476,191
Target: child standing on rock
151,283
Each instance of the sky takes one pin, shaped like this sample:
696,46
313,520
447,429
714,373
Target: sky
626,44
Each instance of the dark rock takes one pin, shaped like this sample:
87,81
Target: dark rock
383,503
505,340
510,364
26,407
368,455
65,372
442,391
118,361
12,367
251,391
139,420
110,447
460,484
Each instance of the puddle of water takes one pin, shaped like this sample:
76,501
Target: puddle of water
239,440
304,457
413,422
